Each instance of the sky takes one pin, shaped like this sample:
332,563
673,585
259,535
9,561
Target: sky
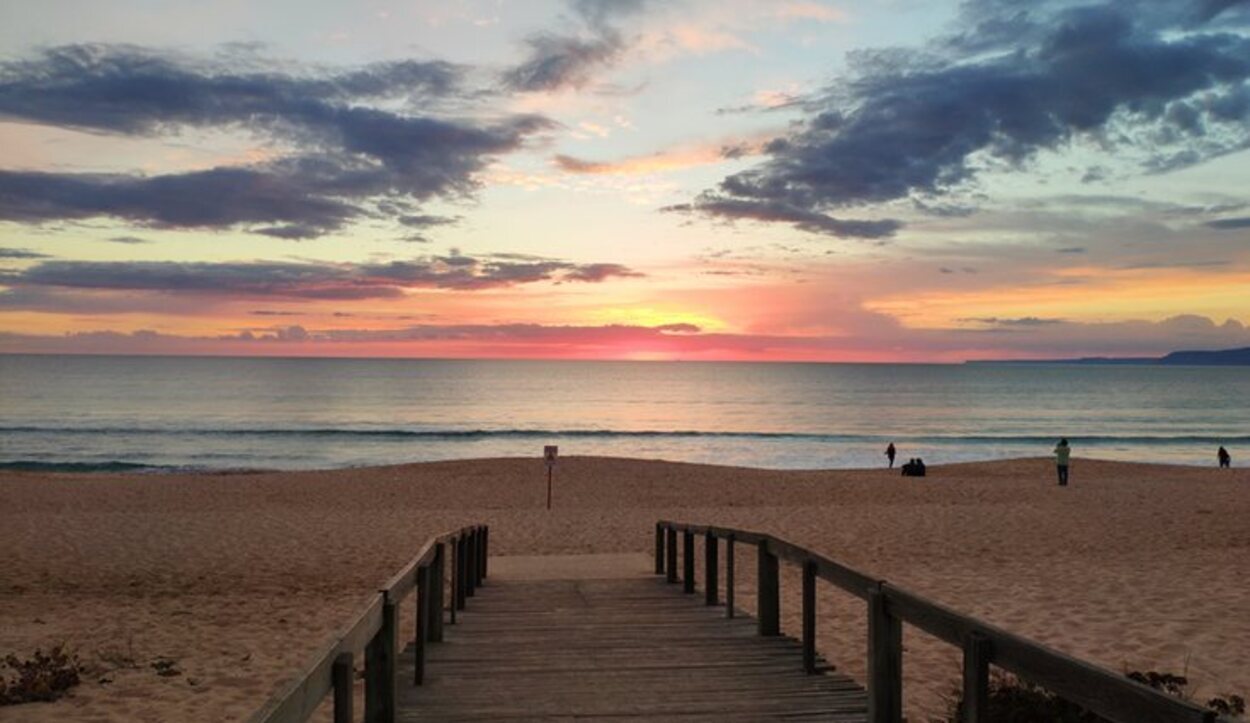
772,180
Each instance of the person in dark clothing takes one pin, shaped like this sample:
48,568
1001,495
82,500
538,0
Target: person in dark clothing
1226,460
1063,453
889,453
914,468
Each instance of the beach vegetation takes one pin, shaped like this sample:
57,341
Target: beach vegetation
1012,700
43,677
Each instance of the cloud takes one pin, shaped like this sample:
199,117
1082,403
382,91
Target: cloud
597,13
732,209
133,90
557,61
426,220
131,240
1027,78
595,273
12,253
1024,321
348,151
1026,338
1229,224
669,159
306,280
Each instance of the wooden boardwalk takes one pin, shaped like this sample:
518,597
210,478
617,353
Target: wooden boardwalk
623,648
599,637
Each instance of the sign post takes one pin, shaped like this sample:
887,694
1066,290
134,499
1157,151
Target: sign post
549,454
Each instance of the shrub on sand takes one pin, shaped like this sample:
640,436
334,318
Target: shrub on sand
43,677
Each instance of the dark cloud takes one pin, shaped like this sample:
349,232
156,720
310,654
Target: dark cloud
595,273
307,280
292,231
554,62
131,240
1024,321
597,13
425,220
349,152
733,209
12,253
1025,77
138,91
1229,224
1208,9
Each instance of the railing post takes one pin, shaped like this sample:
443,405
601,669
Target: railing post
380,665
885,661
438,595
659,549
462,569
341,673
423,625
710,569
671,534
454,581
729,576
470,563
768,590
485,550
977,651
479,549
687,555
809,616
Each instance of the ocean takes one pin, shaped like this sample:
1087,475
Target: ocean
98,412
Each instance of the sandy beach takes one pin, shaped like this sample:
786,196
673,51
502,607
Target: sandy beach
236,578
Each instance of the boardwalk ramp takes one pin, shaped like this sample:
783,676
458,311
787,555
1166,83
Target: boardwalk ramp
594,637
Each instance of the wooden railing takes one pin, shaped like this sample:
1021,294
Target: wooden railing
375,631
1101,691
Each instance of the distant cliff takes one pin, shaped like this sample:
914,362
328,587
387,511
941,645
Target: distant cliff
1226,357
1223,357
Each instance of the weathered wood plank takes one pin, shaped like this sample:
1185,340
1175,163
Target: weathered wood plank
632,648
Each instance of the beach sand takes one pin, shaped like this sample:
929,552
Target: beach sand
238,578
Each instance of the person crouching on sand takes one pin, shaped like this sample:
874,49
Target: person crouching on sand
1063,454
1226,460
889,452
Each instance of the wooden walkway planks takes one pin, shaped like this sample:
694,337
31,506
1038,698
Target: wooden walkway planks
630,648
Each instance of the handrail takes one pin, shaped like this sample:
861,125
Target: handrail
1097,689
375,630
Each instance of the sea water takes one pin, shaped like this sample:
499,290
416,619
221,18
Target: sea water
99,412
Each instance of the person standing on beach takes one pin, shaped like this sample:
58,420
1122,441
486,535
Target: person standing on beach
889,452
1226,460
1063,454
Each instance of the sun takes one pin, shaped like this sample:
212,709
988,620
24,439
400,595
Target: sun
653,316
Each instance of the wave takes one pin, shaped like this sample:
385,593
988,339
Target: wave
477,434
26,465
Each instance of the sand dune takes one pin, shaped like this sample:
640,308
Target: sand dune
238,578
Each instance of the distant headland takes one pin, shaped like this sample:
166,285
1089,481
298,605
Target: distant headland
1223,357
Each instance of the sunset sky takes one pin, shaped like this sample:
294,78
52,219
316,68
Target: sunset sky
630,179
